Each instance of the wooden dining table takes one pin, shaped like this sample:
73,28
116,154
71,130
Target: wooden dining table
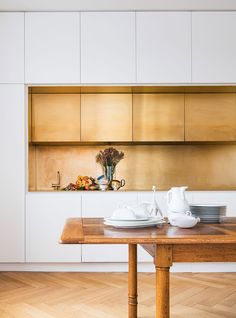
165,243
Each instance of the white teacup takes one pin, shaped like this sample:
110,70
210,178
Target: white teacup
103,186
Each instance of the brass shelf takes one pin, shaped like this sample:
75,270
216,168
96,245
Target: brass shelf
127,143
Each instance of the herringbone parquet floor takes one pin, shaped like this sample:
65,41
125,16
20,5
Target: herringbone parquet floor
104,295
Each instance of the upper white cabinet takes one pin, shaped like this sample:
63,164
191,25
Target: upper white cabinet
12,171
46,214
163,47
52,47
12,47
214,47
108,47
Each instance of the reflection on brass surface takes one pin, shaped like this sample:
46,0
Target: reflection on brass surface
210,117
158,117
106,117
56,117
201,167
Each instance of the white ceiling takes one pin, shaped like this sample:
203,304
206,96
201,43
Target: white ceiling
106,5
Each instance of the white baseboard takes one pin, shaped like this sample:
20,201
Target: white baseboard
115,267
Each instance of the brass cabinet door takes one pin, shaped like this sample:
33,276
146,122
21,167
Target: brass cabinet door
106,117
55,117
210,117
158,117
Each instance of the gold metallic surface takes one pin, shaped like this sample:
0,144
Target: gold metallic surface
106,117
158,117
55,117
201,167
210,117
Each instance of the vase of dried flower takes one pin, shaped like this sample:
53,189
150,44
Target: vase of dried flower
109,172
108,159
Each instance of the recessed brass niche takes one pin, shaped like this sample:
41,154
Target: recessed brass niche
156,155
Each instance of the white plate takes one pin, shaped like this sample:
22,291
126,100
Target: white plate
131,220
138,224
133,226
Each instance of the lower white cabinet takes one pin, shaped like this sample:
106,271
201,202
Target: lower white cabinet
45,217
12,172
46,214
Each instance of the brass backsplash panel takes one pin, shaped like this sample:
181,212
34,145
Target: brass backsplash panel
201,167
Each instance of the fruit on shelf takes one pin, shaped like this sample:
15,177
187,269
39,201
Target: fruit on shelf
82,183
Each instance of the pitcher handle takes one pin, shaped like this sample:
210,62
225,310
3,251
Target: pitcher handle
122,182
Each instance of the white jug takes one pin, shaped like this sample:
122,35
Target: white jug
176,200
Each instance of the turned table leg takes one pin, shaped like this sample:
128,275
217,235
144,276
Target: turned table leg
162,292
132,281
163,261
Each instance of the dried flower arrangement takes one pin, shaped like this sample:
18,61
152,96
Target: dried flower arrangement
109,157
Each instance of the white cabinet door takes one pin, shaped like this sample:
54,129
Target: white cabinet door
214,47
45,217
108,47
12,47
12,172
163,47
52,47
101,204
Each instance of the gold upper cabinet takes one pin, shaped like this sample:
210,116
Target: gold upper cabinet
55,117
106,117
158,117
210,117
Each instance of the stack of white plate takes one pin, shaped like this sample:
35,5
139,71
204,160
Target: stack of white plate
208,213
133,224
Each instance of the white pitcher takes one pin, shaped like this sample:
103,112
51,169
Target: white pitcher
176,200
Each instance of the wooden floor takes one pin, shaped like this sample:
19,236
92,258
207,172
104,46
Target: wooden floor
102,295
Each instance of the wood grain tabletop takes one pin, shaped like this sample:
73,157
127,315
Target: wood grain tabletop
92,231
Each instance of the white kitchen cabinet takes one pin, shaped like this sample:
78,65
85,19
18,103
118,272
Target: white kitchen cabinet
108,47
12,47
213,47
45,217
52,47
12,172
163,47
102,204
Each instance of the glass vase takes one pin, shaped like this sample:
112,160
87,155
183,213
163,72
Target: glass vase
109,173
